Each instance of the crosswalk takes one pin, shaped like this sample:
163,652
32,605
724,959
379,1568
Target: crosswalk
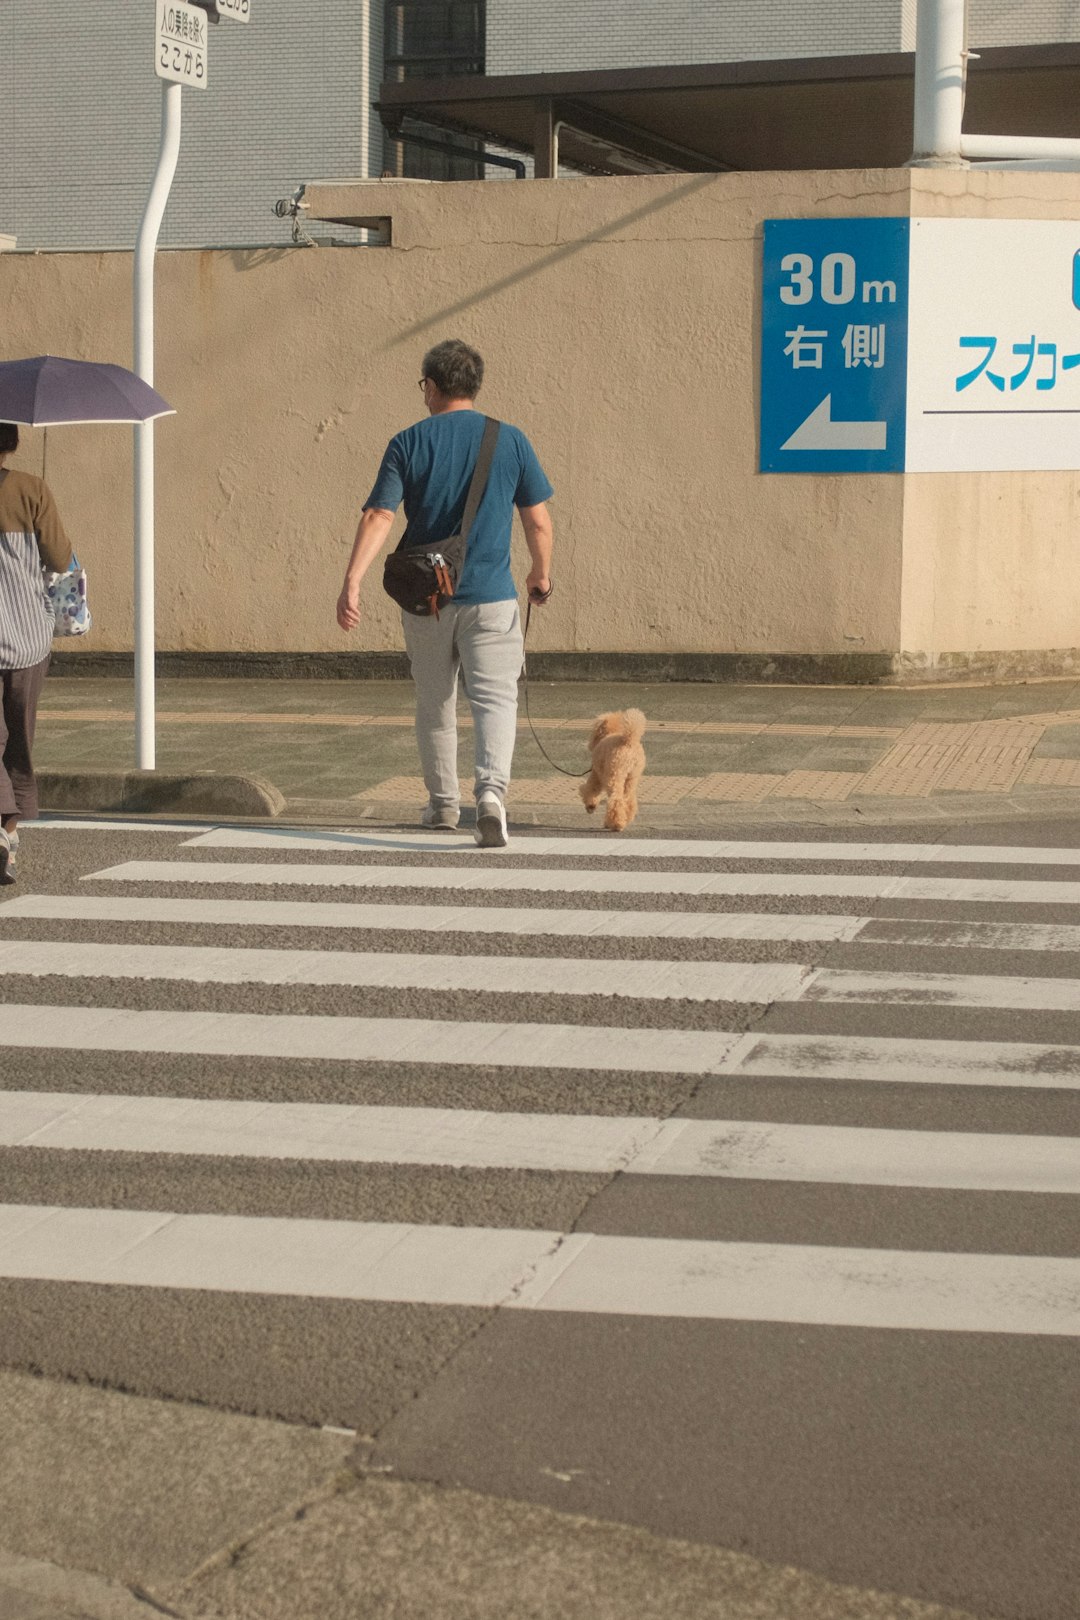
834,886
753,976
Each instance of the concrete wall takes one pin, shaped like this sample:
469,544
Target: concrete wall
619,319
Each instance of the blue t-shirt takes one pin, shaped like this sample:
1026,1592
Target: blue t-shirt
430,466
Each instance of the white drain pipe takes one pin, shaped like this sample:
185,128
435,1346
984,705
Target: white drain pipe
145,248
940,72
941,58
1021,151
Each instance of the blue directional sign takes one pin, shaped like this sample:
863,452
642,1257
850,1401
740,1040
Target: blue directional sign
834,345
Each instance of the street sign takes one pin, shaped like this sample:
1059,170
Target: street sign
834,345
238,10
181,43
920,345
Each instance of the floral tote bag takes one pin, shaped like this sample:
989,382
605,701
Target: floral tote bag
67,598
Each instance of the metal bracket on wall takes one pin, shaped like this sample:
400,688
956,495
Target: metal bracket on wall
291,208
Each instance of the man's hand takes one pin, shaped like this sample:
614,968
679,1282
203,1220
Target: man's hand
371,535
348,606
536,522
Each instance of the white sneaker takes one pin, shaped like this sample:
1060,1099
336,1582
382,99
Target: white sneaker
7,857
491,821
436,815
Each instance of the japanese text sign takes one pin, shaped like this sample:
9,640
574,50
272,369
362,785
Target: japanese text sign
834,345
181,43
972,328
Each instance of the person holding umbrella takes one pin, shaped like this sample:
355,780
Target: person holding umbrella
43,391
32,539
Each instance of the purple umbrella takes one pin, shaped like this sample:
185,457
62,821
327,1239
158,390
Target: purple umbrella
45,392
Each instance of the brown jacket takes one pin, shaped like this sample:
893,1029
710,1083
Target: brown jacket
32,539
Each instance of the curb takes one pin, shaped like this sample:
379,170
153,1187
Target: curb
206,793
896,670
672,819
155,793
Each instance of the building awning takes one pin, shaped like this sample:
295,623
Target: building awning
815,113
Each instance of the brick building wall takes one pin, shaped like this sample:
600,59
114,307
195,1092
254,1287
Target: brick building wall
288,99
566,35
1023,22
562,36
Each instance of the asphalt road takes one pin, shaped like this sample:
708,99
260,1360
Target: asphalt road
851,1347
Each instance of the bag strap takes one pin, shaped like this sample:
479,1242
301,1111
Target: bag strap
481,471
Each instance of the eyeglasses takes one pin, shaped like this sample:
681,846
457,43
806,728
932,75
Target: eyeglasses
421,383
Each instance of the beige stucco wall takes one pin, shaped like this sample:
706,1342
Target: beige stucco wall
620,323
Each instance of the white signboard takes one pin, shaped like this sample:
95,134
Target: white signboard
181,43
238,10
994,345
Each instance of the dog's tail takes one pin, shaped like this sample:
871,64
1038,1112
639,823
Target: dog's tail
635,725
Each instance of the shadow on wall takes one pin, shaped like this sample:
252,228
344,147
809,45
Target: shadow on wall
694,183
252,258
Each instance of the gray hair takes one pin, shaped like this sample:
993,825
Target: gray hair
456,370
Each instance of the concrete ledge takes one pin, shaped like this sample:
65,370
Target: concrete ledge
782,669
155,793
729,669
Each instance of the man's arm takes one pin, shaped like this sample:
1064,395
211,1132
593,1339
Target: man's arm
536,522
371,535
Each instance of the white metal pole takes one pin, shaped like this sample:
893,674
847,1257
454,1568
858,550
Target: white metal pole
145,246
940,72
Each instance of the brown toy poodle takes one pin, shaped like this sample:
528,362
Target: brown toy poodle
618,761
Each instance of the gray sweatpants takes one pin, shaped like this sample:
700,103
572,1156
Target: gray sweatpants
483,641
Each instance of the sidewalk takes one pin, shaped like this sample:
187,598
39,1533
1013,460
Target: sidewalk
344,752
116,1507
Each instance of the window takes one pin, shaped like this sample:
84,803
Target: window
434,39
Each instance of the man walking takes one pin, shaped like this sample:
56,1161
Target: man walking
478,632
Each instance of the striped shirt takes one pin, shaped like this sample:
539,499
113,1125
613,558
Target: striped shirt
32,539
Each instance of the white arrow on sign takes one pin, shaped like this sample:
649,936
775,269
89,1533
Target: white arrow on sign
820,432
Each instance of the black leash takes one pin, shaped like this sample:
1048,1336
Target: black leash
540,598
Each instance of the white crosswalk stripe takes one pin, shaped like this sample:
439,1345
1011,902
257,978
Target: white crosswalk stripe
704,849
370,1040
653,979
517,975
563,922
465,1138
530,1268
427,919
914,1062
939,990
546,1046
509,880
